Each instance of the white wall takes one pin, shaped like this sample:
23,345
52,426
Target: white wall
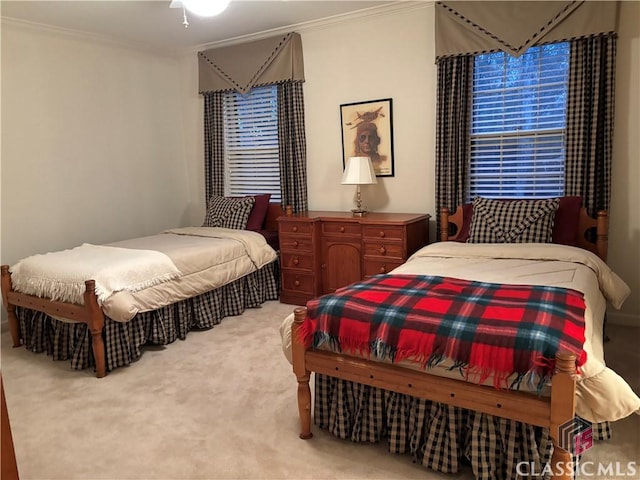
92,142
624,226
381,57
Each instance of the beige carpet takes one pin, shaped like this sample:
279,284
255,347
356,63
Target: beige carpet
220,405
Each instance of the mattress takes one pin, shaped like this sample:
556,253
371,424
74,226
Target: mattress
602,395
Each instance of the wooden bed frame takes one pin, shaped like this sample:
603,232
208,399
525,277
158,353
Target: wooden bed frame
89,313
548,412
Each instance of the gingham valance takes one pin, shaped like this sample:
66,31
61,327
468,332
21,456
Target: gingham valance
464,28
241,67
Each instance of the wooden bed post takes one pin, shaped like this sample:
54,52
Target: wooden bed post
95,322
562,411
602,234
302,374
444,224
14,326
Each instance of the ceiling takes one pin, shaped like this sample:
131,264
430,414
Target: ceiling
153,24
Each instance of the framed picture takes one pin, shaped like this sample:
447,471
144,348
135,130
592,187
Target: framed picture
367,131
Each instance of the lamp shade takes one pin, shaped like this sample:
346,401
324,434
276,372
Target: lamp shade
359,171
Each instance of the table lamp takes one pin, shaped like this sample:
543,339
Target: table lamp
359,171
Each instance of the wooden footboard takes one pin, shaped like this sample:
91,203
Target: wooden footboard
524,407
89,313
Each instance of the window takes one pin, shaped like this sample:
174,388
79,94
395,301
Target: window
518,123
252,164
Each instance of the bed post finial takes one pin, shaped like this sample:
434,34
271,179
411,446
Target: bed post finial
299,314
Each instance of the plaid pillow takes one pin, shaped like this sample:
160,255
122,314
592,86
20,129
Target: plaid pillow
516,221
228,212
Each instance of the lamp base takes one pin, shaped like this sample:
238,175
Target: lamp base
358,212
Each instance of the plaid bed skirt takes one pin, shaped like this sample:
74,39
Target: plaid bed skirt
436,435
123,340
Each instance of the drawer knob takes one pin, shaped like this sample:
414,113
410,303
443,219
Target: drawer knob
341,229
383,250
295,229
296,260
296,243
296,283
383,269
381,234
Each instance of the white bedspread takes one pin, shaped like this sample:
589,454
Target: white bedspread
207,257
152,271
61,275
601,393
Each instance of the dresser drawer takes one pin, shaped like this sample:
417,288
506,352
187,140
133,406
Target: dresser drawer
375,267
380,249
296,227
297,282
301,243
301,261
341,228
388,232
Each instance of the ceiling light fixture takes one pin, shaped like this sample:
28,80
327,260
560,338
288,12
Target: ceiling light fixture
202,8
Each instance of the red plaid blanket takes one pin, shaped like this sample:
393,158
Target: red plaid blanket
491,329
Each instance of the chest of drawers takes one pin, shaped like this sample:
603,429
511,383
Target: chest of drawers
323,251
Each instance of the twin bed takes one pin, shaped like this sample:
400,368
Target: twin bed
445,409
97,305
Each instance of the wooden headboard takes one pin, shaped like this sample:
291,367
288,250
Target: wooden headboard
274,211
585,237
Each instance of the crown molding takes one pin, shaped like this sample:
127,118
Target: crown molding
367,13
86,36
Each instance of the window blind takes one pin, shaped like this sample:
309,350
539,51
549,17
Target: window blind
251,143
518,123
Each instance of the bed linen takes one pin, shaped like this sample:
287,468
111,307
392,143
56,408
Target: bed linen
487,329
601,394
207,257
60,276
203,258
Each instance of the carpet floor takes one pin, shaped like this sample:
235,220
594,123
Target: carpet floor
219,405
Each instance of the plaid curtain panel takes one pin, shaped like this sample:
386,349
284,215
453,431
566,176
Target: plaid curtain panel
453,120
213,144
292,145
491,329
590,111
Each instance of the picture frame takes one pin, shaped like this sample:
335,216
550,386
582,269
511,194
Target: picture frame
367,131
